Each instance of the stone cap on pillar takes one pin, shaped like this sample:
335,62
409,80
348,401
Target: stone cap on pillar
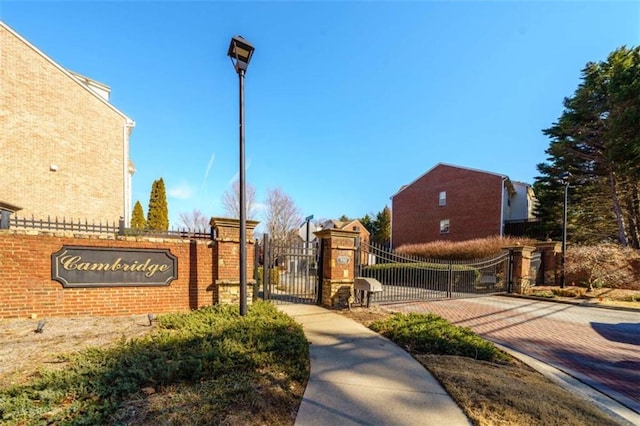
520,249
332,232
9,207
554,246
231,223
229,229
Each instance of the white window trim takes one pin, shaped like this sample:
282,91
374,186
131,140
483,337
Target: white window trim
448,226
442,200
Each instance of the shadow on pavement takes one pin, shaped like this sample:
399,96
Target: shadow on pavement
628,333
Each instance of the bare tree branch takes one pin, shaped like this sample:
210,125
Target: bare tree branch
194,221
231,201
282,217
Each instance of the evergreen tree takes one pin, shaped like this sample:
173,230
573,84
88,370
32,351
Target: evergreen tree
367,222
137,219
381,227
597,140
158,212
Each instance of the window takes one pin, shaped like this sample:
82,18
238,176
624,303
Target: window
444,226
442,201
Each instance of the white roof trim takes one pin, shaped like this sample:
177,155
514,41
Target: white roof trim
448,165
64,71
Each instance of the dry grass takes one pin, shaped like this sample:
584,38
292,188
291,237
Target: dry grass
488,393
462,250
604,265
23,352
500,394
509,394
243,385
596,296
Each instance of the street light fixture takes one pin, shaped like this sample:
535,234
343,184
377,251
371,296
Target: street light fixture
240,52
564,179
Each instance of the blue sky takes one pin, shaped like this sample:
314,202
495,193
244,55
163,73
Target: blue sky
345,101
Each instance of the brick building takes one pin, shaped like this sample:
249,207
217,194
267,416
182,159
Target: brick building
64,149
350,225
457,203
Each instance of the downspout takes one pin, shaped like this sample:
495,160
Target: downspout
126,179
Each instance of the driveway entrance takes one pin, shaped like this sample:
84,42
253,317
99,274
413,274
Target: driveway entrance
599,347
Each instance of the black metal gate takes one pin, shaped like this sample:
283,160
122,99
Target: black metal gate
289,272
411,278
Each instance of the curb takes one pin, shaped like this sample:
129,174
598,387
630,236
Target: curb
572,302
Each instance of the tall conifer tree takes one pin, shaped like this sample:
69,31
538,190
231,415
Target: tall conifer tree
597,140
158,213
137,219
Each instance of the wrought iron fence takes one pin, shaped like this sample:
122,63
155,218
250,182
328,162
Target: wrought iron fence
116,228
290,271
414,278
532,228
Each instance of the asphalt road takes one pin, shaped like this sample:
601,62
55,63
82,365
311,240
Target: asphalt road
599,347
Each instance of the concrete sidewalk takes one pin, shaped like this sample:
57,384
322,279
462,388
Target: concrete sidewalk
361,378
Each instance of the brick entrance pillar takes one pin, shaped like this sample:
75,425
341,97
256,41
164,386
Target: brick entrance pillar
521,268
551,255
338,260
226,260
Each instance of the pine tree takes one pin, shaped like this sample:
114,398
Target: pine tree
158,213
137,219
597,140
382,227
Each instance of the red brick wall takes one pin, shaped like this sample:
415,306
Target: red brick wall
473,206
26,287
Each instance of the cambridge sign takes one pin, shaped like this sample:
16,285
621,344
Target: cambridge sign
75,266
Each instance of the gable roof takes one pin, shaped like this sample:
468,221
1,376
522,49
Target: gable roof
338,224
67,73
403,187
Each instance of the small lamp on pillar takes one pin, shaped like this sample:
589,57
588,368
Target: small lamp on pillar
240,52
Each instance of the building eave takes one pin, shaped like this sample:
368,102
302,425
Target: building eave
447,165
66,72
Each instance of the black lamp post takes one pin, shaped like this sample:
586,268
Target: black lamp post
240,52
564,179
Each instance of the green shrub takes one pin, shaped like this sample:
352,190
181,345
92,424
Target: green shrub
274,275
431,334
190,348
421,272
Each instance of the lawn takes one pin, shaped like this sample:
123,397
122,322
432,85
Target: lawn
213,366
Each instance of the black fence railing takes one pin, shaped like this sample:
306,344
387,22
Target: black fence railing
115,227
532,228
64,224
406,277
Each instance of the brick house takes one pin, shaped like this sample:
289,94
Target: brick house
64,147
351,225
457,203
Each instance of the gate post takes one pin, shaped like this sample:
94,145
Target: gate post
338,264
521,267
550,253
226,260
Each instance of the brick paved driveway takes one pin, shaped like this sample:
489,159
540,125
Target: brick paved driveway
600,347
